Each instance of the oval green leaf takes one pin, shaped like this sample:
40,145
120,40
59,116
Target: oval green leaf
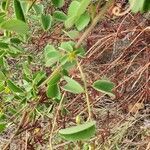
53,91
55,78
83,21
60,16
2,127
80,132
58,3
13,87
73,86
104,86
18,10
15,26
46,21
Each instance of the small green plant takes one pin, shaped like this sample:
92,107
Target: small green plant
24,88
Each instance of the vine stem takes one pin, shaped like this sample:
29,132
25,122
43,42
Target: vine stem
86,90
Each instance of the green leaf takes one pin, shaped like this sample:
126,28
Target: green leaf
104,86
2,17
2,76
15,40
83,21
4,45
146,7
38,8
60,16
2,127
25,6
67,46
73,7
15,26
38,77
18,10
139,6
73,34
13,87
3,5
53,91
72,13
73,86
69,65
70,22
51,55
83,6
26,69
55,78
2,86
80,132
58,3
76,9
46,21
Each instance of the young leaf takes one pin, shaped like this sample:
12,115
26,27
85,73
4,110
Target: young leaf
70,22
104,86
58,3
13,87
38,8
73,34
73,7
73,86
2,76
15,26
18,10
80,132
51,55
83,21
55,78
46,21
72,13
83,6
60,16
53,91
66,46
2,127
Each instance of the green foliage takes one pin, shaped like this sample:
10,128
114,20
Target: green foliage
83,21
75,12
25,85
60,16
58,3
80,132
38,8
15,25
51,55
104,86
53,91
13,87
139,6
46,21
2,127
73,86
18,10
